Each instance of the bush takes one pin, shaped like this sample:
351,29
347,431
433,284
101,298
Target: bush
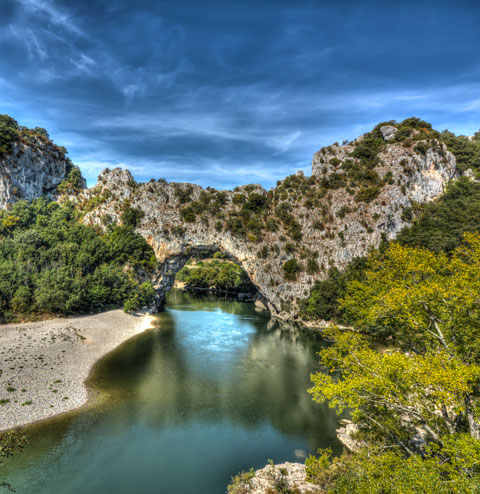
322,304
291,268
131,216
312,266
441,224
9,133
73,183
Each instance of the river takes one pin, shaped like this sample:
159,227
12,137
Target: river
213,389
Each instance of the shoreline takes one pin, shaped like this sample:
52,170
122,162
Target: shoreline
44,365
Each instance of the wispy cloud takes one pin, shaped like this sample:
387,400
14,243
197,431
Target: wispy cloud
231,94
55,15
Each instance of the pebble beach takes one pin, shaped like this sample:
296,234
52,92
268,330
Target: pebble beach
44,365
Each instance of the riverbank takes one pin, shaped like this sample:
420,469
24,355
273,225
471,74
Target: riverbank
44,364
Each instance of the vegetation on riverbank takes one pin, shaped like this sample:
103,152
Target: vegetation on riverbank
416,403
215,274
52,264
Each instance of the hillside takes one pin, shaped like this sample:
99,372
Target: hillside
32,166
286,239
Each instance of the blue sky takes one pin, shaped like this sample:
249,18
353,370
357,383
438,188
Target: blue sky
227,93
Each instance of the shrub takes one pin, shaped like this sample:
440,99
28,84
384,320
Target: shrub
367,194
9,133
183,193
312,266
131,216
291,268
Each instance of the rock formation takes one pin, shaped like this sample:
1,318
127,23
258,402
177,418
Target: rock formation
285,477
285,238
32,169
291,235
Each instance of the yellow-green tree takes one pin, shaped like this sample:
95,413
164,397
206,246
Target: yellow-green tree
421,301
397,399
409,374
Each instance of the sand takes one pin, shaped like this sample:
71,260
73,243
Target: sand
44,365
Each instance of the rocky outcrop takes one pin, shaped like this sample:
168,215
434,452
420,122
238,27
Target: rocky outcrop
289,236
347,435
32,169
285,477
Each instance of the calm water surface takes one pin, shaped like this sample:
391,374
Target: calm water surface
215,388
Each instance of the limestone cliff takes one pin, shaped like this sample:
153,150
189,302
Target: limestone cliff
32,167
291,235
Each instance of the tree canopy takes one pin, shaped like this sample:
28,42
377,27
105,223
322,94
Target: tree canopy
409,374
52,264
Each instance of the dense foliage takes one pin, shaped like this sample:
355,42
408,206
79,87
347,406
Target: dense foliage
73,182
52,264
416,403
9,132
224,276
465,149
324,295
440,225
378,471
419,300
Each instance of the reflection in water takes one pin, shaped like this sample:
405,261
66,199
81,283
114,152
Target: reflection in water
211,390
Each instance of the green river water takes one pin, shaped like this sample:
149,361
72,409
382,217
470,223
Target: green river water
215,388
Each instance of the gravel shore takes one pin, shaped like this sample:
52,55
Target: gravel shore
43,365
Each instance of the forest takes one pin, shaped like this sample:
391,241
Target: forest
51,264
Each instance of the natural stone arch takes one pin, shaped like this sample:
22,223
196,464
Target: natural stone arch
164,277
314,222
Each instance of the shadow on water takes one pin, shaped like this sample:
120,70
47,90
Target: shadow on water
214,388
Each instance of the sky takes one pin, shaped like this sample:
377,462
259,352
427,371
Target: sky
229,93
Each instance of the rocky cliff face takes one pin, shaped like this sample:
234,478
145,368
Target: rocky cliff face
31,169
291,235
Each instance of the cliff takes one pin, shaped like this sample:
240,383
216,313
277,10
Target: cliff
286,238
358,194
31,165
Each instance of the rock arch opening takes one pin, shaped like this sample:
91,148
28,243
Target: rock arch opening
173,263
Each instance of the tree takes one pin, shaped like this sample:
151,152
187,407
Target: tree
131,216
73,183
395,397
451,469
416,399
420,300
291,268
9,133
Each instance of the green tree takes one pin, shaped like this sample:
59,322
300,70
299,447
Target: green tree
9,133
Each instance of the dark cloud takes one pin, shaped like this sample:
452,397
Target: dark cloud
224,93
